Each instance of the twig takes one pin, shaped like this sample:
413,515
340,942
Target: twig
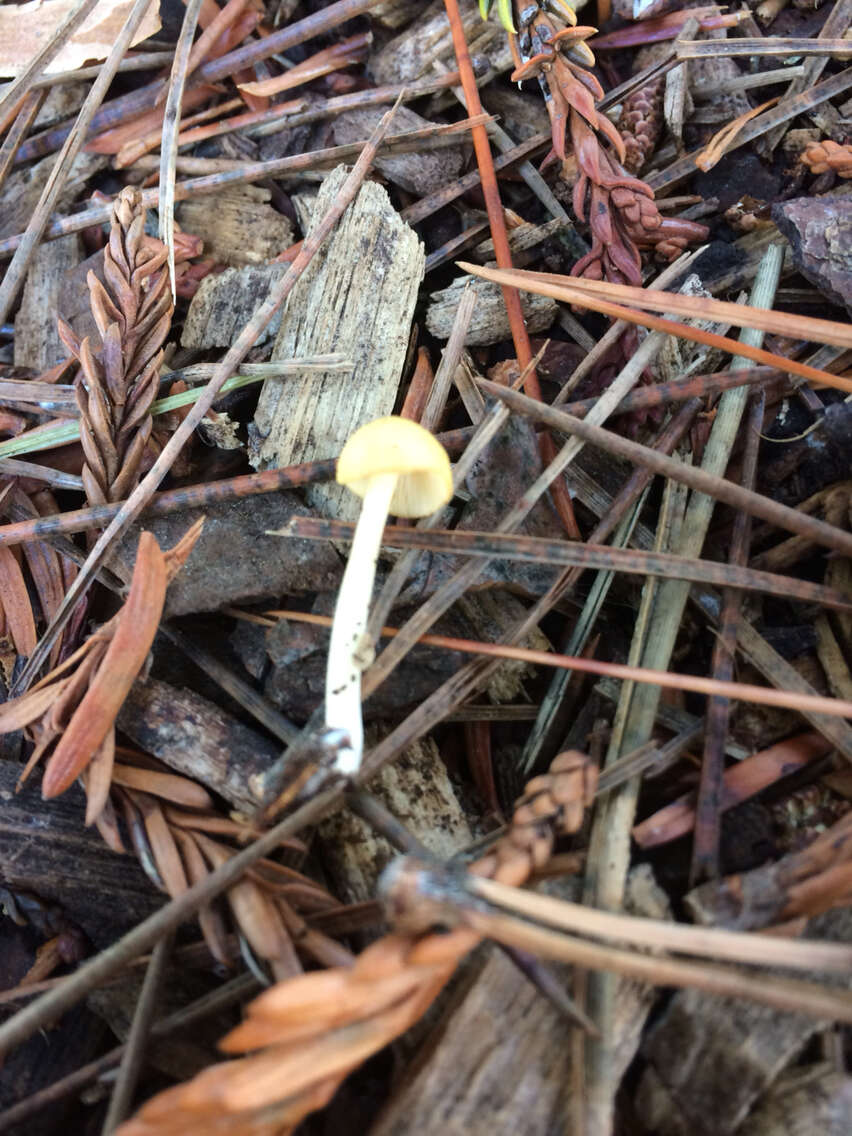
222,998
134,1051
449,592
614,841
90,974
196,496
436,403
705,848
787,108
24,119
716,487
235,355
768,45
626,499
588,555
502,252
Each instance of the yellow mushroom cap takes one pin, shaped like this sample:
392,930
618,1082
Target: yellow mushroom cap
402,447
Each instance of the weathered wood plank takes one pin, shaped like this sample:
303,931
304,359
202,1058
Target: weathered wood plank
357,296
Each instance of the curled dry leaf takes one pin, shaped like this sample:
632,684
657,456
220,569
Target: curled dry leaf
72,711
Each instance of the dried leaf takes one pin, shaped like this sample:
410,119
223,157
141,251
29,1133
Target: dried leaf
136,627
25,27
16,603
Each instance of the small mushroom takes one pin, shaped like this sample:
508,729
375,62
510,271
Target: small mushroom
395,466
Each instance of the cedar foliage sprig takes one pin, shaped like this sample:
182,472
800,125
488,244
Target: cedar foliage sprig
118,382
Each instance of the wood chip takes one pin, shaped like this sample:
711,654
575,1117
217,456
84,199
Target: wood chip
357,297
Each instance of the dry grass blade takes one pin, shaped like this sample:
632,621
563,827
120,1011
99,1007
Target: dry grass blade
171,129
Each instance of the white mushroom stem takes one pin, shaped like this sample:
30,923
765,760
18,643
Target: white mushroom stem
343,674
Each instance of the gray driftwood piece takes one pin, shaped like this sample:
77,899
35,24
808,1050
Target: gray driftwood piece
489,324
37,342
196,738
710,1059
419,173
357,296
419,793
225,302
46,849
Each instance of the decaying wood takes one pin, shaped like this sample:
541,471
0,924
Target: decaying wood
194,737
37,342
24,187
358,298
216,575
238,225
418,173
226,301
709,1059
45,849
418,792
817,1098
411,54
490,324
497,1061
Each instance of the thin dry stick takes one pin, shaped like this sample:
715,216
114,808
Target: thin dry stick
502,252
612,835
626,499
787,108
541,550
449,592
705,847
17,270
171,129
22,83
611,336
95,971
134,1053
196,496
222,998
769,45
18,131
450,359
235,355
241,173
717,487
231,993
